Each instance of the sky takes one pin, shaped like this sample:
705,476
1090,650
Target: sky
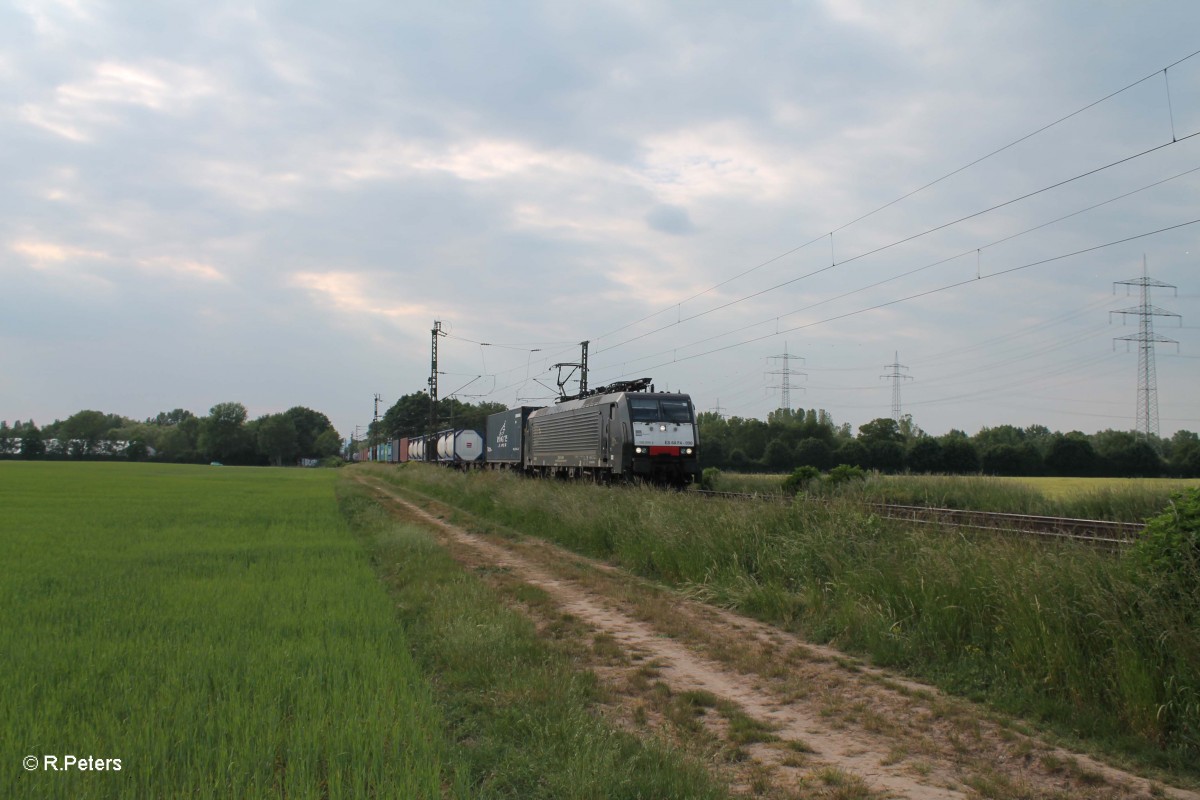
272,203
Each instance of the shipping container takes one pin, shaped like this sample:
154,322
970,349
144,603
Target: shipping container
506,435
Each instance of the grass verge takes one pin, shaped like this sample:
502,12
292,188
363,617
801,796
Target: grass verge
522,720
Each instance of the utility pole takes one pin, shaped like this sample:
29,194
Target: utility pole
433,378
1147,389
785,386
897,378
717,410
582,366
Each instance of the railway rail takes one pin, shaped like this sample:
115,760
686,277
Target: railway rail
1103,533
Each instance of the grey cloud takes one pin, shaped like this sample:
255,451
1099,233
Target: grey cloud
671,219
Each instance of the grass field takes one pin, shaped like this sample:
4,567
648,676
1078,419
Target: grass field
262,633
217,630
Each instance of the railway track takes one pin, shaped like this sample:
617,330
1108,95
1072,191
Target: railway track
1103,533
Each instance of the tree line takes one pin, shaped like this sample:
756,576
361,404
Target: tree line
225,435
409,416
793,438
786,440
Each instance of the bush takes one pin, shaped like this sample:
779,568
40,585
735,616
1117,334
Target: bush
1168,551
801,478
844,473
710,478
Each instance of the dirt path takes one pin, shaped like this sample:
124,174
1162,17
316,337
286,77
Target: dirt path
776,716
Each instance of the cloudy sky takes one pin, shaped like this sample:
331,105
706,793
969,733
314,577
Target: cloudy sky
272,202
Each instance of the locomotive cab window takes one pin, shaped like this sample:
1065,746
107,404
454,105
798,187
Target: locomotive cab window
676,411
651,409
643,409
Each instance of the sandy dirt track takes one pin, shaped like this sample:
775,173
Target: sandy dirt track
830,726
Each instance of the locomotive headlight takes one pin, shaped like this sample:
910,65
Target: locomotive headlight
639,450
662,427
687,451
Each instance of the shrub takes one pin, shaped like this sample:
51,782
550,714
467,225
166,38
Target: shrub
1168,551
844,473
801,478
710,479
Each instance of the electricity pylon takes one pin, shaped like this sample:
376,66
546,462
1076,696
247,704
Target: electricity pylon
897,378
1147,389
785,386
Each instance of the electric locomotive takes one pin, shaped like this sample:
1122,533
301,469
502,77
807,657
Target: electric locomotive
620,431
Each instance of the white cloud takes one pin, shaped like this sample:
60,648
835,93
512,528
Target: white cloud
42,254
69,259
77,110
355,294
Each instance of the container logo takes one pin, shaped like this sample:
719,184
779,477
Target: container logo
502,436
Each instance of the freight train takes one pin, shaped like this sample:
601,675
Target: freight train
624,431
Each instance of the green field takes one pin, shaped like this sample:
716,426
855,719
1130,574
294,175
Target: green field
272,633
1059,488
216,630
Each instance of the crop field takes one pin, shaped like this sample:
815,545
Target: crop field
1117,499
178,631
217,631
1058,488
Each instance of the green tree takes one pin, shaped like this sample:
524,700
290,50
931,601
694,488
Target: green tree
84,430
885,456
851,452
814,452
777,456
175,417
1010,459
277,439
925,456
1072,455
327,444
959,456
223,435
32,445
408,416
883,429
309,426
1185,454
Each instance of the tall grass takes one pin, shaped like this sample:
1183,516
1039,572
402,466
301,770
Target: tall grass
1058,632
218,631
1121,500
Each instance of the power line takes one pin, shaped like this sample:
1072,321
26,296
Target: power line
899,242
912,193
926,293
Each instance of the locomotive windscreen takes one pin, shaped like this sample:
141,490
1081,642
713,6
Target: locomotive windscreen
651,409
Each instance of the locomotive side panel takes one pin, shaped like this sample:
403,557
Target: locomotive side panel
570,438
